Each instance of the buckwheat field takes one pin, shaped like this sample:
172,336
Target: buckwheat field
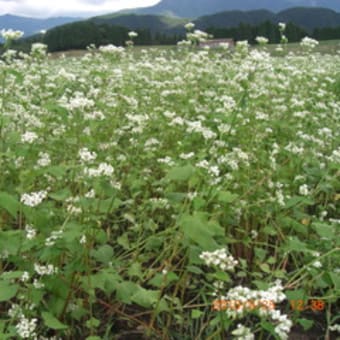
176,193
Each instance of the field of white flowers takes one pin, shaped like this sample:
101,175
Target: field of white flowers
169,194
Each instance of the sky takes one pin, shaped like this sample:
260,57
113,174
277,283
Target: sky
83,8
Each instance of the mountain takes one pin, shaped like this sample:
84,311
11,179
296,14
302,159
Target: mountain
234,18
310,18
154,23
32,26
197,8
306,18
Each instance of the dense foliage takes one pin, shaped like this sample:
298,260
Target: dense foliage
137,187
81,34
266,29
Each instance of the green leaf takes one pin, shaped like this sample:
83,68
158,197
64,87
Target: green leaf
7,290
125,290
196,314
268,230
135,270
145,297
265,268
222,276
197,229
335,279
104,254
226,197
324,230
93,338
105,280
181,173
195,270
124,241
61,195
92,323
11,241
297,200
11,275
9,203
306,324
260,254
298,294
57,171
52,322
162,306
294,244
268,327
176,197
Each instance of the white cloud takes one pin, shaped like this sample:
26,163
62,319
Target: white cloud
45,8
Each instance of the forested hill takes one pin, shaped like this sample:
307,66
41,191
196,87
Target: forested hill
197,8
152,29
306,17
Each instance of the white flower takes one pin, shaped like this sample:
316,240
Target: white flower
243,333
282,26
26,328
11,34
103,169
44,159
29,137
30,232
38,49
309,43
111,49
45,270
219,258
86,155
334,328
37,284
303,190
15,311
55,235
25,277
317,264
82,240
189,26
262,40
90,194
34,198
132,34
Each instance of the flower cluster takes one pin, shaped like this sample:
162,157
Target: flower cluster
45,270
219,258
34,198
26,328
11,34
255,300
309,43
262,40
103,169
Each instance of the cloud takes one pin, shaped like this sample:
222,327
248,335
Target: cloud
43,8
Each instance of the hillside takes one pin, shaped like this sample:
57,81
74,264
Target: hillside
310,18
197,8
234,18
154,23
306,18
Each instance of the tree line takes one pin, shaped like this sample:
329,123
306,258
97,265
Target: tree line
81,34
